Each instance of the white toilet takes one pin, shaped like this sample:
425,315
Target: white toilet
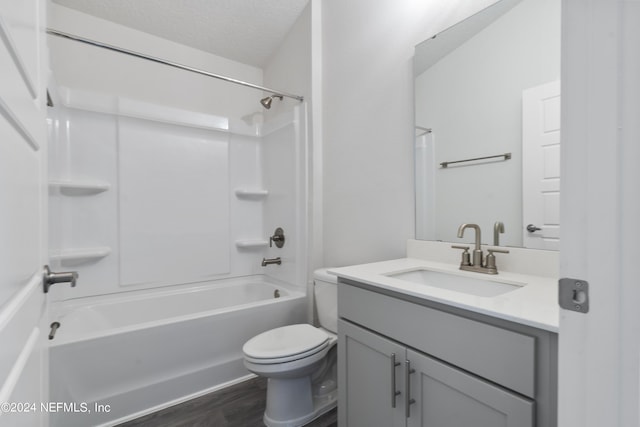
299,361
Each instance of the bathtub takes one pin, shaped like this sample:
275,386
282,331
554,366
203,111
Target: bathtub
118,357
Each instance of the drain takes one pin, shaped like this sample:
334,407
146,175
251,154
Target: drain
276,293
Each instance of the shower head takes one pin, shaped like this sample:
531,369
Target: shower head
266,102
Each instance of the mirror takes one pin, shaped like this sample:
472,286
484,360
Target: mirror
471,81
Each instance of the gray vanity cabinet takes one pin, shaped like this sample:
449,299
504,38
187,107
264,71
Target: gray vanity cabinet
404,363
367,377
448,397
373,389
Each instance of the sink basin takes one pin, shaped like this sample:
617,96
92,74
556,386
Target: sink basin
452,282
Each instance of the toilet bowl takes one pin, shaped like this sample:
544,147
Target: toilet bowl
299,362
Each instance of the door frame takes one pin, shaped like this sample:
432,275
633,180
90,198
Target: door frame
599,375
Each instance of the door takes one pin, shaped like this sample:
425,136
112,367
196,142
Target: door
368,379
23,221
541,166
447,397
599,363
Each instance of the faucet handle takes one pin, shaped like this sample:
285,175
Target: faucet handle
500,251
466,248
466,257
277,238
491,259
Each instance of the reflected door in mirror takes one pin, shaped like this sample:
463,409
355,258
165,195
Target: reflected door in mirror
541,166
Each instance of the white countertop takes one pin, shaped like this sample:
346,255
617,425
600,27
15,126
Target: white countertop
535,304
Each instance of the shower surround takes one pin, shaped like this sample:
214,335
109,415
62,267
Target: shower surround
164,189
146,195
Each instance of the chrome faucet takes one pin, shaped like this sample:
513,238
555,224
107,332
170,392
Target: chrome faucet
477,265
268,261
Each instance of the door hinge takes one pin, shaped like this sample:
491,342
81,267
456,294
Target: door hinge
573,294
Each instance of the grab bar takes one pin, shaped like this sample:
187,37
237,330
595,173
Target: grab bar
506,156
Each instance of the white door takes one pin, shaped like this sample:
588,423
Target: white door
599,351
23,221
541,166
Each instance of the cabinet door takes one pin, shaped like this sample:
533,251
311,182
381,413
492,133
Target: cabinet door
366,379
448,397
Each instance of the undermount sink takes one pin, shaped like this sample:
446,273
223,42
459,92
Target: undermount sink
452,282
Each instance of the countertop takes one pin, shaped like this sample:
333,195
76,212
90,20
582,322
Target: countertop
534,305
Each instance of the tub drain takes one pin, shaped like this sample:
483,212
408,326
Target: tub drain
276,293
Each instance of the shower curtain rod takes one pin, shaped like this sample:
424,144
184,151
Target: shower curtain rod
170,63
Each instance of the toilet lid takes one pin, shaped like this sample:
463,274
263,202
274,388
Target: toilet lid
286,341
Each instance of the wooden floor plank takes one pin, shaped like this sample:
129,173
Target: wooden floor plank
241,405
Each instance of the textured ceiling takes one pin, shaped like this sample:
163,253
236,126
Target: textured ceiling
247,31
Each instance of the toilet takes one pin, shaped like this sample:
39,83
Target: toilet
299,362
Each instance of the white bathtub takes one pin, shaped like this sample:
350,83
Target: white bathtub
138,352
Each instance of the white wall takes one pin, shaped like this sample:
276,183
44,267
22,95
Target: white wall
368,121
289,68
472,100
90,69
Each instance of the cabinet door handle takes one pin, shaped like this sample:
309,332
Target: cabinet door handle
407,388
394,393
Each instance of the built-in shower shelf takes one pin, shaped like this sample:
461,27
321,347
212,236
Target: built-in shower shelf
251,244
78,255
251,193
78,187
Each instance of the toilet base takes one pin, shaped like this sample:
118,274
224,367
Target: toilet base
305,410
294,402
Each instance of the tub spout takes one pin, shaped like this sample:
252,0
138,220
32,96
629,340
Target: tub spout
268,261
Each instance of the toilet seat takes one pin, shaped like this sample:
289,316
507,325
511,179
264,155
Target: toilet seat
285,344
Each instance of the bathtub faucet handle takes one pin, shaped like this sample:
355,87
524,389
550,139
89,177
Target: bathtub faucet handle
277,238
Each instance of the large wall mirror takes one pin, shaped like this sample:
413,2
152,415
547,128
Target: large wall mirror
488,89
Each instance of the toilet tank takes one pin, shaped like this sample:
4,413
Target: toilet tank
325,289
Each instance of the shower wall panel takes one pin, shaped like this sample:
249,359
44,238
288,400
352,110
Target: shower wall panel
82,150
283,155
144,195
174,203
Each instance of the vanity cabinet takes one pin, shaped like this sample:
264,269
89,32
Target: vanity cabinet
369,378
387,384
410,362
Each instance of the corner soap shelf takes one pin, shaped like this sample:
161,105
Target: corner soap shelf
77,255
251,244
251,193
79,187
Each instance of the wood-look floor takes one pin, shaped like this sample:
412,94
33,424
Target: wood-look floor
241,405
